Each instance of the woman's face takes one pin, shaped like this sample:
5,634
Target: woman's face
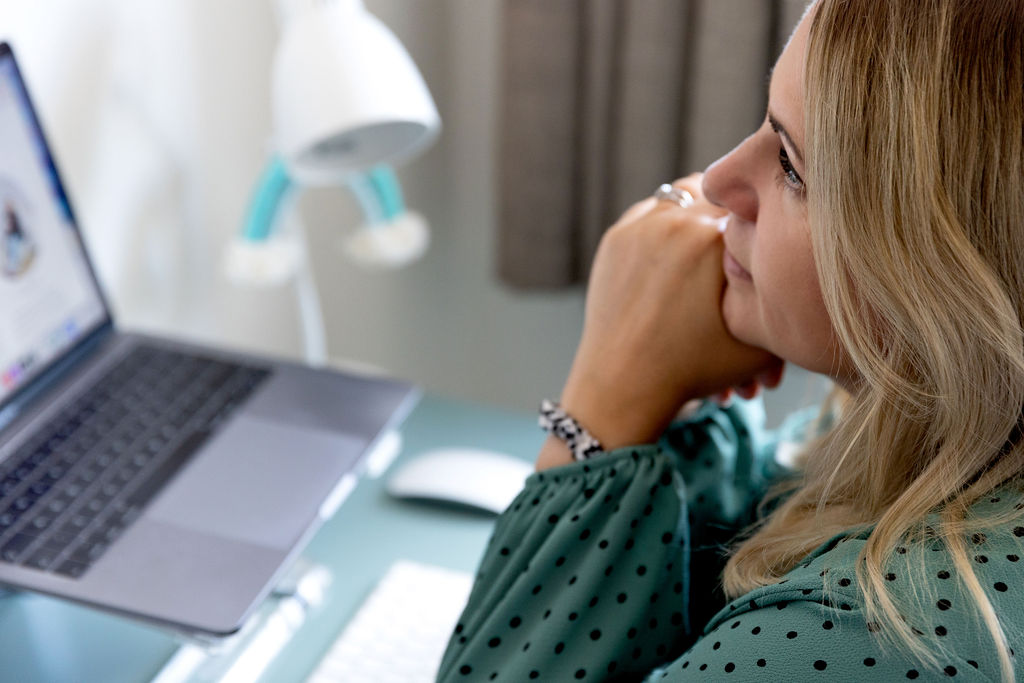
772,297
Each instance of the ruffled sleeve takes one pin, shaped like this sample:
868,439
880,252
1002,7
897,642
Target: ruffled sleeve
610,567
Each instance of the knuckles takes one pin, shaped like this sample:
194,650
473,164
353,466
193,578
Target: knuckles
662,229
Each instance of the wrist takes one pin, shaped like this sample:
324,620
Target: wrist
554,453
554,420
616,418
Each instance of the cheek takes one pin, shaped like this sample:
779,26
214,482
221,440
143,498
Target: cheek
782,310
793,311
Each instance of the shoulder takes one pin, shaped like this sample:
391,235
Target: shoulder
811,622
814,619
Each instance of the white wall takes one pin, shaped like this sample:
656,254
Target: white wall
159,112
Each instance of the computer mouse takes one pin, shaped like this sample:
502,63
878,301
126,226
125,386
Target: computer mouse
479,479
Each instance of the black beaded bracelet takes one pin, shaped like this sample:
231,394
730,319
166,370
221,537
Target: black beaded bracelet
556,421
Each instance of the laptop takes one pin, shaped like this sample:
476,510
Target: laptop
141,475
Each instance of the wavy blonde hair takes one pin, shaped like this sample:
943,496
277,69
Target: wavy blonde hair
915,173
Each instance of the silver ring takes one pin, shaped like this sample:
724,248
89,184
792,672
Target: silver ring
674,194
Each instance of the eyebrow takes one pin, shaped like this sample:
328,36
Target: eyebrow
780,129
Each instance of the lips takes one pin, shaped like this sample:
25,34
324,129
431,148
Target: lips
730,264
733,267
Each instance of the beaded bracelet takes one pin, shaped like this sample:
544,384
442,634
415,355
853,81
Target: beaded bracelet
556,421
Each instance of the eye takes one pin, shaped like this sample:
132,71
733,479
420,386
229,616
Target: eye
790,177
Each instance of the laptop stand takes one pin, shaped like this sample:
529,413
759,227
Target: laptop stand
243,656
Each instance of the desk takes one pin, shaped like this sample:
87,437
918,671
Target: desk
47,640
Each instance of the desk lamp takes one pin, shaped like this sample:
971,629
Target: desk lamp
348,103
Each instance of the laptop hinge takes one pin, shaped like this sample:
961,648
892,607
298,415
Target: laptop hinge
53,375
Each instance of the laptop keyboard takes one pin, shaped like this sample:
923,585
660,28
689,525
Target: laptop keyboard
68,493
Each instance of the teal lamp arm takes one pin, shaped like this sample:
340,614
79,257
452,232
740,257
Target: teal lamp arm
377,191
379,194
271,189
388,190
332,121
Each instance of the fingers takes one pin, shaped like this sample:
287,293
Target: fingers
772,377
749,390
724,398
693,184
766,379
637,210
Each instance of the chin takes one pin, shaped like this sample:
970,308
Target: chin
740,320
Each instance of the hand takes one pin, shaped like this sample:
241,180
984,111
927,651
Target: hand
653,336
769,379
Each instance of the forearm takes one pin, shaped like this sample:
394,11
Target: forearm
561,573
581,534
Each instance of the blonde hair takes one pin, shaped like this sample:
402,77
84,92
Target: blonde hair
915,174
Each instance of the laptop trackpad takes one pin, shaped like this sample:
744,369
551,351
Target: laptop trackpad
257,481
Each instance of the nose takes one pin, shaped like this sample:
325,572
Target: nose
729,184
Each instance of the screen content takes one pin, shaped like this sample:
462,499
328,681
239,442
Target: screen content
48,298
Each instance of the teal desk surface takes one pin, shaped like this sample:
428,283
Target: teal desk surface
51,641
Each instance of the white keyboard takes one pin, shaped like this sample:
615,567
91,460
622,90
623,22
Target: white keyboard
400,632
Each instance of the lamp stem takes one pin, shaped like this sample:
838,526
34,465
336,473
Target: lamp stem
314,336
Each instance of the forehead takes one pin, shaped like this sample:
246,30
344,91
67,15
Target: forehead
786,93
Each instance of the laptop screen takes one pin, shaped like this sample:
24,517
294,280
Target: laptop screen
49,298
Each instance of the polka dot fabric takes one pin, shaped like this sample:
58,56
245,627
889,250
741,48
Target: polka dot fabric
609,570
812,624
589,578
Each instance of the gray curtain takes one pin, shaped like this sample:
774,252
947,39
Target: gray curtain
602,100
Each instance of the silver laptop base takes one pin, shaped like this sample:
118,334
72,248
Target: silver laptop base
243,656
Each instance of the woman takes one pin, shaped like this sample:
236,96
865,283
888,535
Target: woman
872,230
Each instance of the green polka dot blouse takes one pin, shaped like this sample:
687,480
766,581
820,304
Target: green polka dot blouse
609,570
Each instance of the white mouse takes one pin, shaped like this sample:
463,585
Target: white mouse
485,480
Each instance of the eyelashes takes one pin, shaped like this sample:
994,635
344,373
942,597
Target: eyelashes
789,177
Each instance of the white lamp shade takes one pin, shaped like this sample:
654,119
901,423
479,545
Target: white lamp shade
346,95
